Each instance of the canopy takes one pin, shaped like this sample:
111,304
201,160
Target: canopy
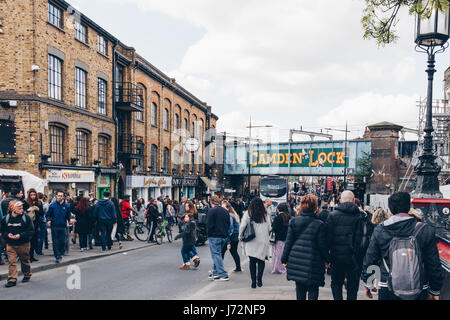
445,191
209,184
28,180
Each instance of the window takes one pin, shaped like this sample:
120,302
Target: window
140,151
140,102
80,88
176,123
154,156
193,129
80,32
54,77
166,160
102,45
103,150
82,147
166,119
102,96
54,15
56,144
185,127
7,138
154,114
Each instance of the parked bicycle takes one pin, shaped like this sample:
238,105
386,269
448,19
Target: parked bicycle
163,229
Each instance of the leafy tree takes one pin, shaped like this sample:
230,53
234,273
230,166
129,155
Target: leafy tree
364,168
381,16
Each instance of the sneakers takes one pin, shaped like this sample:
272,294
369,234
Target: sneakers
185,267
33,260
10,284
26,279
196,262
120,245
221,279
237,270
211,277
58,260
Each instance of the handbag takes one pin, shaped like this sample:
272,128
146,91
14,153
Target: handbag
272,237
249,232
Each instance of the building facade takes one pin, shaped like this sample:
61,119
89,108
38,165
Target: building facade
86,113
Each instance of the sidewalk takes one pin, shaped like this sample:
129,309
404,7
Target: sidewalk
47,261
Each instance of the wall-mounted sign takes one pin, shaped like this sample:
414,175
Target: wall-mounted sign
185,181
104,181
149,182
70,176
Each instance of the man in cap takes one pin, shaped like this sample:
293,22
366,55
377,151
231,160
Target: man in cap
17,229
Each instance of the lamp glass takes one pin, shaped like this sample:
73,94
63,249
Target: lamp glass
433,31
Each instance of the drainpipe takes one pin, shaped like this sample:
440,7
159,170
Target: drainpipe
116,124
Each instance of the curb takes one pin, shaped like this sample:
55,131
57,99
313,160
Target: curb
54,265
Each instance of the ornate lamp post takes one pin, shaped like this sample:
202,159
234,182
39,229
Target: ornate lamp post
431,37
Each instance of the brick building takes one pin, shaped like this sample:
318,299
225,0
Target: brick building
82,104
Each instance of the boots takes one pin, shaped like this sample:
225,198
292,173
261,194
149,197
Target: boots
185,266
196,261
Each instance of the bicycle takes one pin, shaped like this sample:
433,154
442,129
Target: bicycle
163,229
141,231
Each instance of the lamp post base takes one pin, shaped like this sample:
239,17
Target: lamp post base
427,187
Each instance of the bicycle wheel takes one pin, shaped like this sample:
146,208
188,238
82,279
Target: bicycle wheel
141,232
169,235
159,235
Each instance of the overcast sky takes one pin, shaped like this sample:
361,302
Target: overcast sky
286,63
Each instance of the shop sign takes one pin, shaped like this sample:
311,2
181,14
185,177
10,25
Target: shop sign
149,182
70,176
104,181
185,181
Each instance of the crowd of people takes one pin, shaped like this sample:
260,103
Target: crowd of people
305,242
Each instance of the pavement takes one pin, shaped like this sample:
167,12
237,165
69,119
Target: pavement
48,262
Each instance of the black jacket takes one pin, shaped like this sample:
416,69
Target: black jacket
403,226
279,228
17,226
323,215
218,222
152,213
188,233
306,251
85,220
340,232
39,216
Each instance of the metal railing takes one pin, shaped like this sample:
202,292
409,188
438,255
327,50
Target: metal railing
128,93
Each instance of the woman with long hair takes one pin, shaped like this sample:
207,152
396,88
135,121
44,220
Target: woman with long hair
258,248
141,210
305,253
191,209
279,228
234,239
36,212
84,218
170,213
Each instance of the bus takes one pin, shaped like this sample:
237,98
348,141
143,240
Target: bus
274,188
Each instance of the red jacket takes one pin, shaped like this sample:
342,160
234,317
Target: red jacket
126,209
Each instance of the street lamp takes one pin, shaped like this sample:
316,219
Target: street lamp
250,151
432,33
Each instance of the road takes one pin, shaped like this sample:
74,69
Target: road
152,274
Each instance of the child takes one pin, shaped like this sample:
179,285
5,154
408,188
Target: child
188,250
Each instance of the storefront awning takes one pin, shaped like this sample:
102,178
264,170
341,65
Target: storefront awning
209,184
28,180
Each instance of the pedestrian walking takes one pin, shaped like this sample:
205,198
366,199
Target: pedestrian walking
106,217
181,210
341,233
141,210
234,238
42,236
120,229
188,250
84,220
171,213
36,213
280,228
153,216
218,226
305,254
379,216
404,233
17,229
257,249
57,217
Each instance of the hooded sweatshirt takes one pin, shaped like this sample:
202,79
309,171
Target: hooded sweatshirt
105,210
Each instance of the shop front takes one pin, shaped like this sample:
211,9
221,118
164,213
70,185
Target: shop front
103,185
184,187
74,182
147,187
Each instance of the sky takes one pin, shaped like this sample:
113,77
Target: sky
291,64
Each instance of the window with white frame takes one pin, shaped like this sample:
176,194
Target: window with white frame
80,88
102,45
166,119
102,85
55,15
54,77
80,32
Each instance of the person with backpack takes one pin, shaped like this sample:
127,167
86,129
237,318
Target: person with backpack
106,216
152,219
406,252
305,253
234,238
344,240
17,229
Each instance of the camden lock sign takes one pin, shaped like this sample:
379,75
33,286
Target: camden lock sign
326,158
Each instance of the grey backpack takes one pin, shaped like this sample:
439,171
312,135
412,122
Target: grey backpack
406,278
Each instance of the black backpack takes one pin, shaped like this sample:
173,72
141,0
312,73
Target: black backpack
362,228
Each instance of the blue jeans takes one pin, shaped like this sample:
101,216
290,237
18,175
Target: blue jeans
59,241
105,227
188,251
215,246
41,237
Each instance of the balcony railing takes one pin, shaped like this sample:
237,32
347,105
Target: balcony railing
128,97
130,147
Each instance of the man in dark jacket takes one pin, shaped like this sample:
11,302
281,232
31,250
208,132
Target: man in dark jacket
218,226
153,216
401,224
16,194
106,216
340,232
58,215
17,229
